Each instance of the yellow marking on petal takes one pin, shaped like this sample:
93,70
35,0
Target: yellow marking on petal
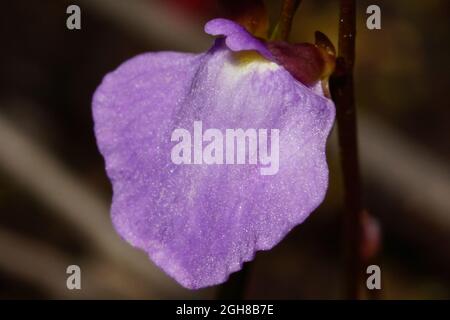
243,63
251,60
248,56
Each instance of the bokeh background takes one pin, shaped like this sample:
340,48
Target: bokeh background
55,197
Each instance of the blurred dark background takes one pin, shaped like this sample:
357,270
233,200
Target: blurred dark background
54,194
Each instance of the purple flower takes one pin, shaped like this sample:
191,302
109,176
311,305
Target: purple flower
200,221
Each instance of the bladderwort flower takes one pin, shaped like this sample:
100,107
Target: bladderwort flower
200,221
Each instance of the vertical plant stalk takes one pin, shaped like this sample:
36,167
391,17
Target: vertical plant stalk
284,25
342,91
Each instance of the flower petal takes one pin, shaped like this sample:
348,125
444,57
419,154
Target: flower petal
237,38
200,222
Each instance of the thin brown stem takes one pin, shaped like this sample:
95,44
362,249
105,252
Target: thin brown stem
284,25
342,90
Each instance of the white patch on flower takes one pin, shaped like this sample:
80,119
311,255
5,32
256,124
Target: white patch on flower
259,66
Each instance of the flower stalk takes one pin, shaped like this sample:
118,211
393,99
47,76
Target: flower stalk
284,25
342,90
